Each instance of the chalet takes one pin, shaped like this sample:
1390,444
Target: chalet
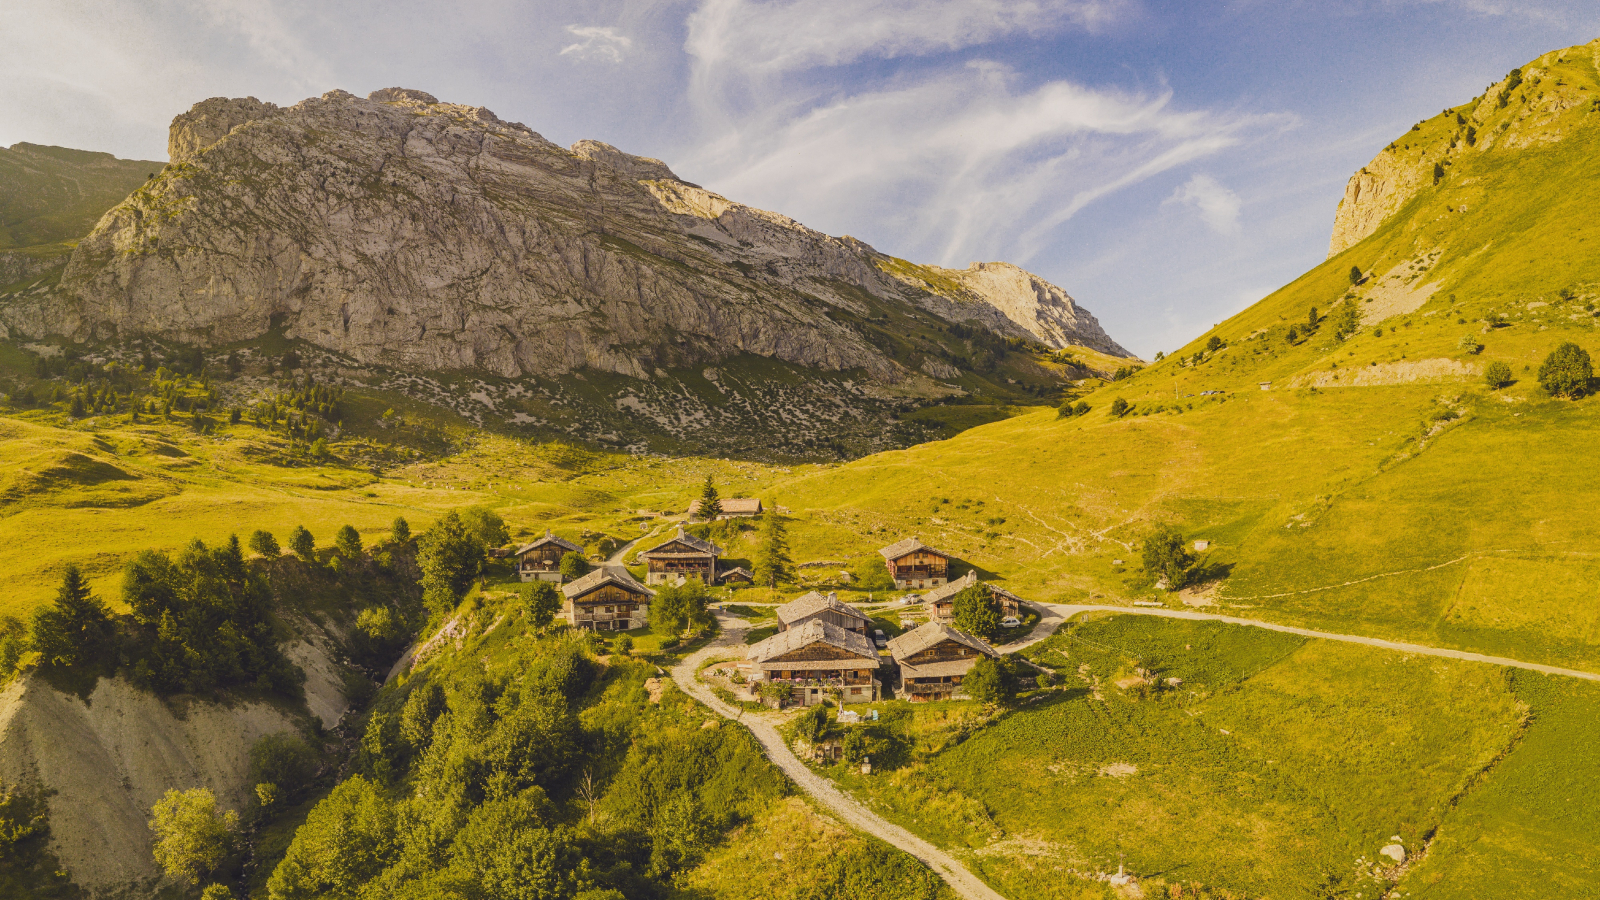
941,601
933,659
541,560
736,575
607,599
683,555
913,564
814,606
817,656
732,508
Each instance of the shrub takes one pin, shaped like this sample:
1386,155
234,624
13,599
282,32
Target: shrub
812,725
1566,372
283,761
541,601
1214,344
624,645
319,449
1166,555
1119,407
988,681
193,835
1497,375
573,565
1355,274
1470,344
22,815
1081,408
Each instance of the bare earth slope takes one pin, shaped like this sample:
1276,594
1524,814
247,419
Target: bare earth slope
419,235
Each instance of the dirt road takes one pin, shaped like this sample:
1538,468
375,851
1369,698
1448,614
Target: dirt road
1051,615
841,804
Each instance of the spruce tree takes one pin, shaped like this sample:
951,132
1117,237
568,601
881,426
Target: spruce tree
773,563
710,505
76,627
303,544
400,531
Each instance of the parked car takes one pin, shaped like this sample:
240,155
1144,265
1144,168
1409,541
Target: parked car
1010,622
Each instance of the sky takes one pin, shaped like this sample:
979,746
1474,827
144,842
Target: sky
1167,163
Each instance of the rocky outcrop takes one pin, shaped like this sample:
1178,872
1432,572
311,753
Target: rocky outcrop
400,231
1530,106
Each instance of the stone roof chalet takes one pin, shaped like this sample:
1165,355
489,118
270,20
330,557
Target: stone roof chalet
909,545
785,642
931,634
813,603
732,506
602,576
688,540
548,539
951,588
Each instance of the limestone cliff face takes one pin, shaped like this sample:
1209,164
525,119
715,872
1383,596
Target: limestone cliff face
401,231
1532,105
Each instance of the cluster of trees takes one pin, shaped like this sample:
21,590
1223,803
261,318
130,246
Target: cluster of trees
452,553
1167,558
459,774
1068,409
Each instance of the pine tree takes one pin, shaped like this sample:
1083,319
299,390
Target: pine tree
303,544
348,542
400,531
710,505
773,563
76,627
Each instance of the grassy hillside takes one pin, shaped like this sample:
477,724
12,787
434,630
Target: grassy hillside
49,195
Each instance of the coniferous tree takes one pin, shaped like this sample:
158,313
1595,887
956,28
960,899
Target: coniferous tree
773,563
76,627
348,542
710,504
400,531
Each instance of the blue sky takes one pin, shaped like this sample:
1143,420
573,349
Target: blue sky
1167,163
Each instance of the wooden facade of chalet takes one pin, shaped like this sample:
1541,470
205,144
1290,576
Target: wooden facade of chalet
933,660
817,658
732,508
736,575
683,555
607,599
942,606
817,607
541,560
913,564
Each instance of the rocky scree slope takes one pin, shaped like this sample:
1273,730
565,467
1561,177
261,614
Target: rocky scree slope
426,236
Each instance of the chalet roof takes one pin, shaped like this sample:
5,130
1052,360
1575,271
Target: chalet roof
939,669
687,540
909,545
601,576
808,634
951,588
736,570
924,636
731,506
813,603
548,539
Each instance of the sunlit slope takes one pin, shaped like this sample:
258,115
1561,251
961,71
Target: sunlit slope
1377,484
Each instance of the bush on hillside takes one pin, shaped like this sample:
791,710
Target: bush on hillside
264,543
541,601
1355,274
678,608
23,814
1566,372
1497,375
1167,557
1469,343
812,724
988,681
284,761
1119,407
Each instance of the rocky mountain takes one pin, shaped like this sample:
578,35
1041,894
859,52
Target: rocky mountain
49,195
1531,106
428,236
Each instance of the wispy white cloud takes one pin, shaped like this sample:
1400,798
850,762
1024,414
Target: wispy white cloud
1217,204
791,35
597,42
966,164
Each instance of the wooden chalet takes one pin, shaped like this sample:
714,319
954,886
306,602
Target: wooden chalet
816,656
541,560
913,564
607,599
941,601
732,508
736,575
683,555
814,606
932,661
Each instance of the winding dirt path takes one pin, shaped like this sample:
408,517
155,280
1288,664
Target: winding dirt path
824,791
1053,614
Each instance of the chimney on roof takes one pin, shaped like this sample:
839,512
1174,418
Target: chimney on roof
547,533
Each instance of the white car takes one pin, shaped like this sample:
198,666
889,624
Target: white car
1010,622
